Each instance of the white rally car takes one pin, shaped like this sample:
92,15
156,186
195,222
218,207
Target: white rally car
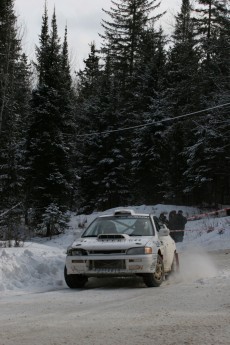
122,244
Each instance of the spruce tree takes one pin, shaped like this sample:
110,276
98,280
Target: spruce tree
148,142
183,64
124,42
212,25
183,96
122,50
14,110
142,102
123,33
50,174
208,150
93,106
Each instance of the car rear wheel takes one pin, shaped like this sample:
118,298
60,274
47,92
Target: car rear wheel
155,279
75,281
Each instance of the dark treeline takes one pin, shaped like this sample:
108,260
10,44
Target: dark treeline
145,121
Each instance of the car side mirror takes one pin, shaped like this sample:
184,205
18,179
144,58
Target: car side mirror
164,231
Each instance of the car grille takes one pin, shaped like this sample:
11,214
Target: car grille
107,264
106,252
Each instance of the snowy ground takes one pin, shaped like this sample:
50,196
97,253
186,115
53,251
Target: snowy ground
193,308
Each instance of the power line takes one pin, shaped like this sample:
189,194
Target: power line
12,208
152,123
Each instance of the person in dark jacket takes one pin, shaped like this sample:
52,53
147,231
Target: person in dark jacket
163,219
172,224
180,222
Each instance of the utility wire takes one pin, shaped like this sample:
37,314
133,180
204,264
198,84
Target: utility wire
4,213
152,123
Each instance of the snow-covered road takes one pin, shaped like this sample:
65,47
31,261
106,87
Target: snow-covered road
192,308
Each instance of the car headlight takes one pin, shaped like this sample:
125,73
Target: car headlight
74,252
139,251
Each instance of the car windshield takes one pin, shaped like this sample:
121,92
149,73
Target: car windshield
130,225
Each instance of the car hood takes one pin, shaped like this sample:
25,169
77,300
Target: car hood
109,242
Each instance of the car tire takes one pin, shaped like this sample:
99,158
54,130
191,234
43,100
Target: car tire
75,281
155,279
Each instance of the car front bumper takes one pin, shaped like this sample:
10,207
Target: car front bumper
107,265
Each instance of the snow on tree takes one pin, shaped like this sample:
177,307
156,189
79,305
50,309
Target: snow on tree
49,145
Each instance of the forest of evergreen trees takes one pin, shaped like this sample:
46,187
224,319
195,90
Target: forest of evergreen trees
145,121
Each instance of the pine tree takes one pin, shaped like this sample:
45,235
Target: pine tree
148,142
91,118
50,176
123,55
212,25
68,110
183,64
208,150
207,173
42,50
182,95
14,110
123,34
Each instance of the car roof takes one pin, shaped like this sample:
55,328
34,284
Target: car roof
124,212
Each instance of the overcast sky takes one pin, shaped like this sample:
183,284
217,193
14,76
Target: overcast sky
83,19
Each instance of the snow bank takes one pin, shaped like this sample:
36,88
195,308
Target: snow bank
209,233
32,266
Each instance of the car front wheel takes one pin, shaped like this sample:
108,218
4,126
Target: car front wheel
75,281
155,279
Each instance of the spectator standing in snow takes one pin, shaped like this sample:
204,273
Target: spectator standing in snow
180,221
172,224
163,219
